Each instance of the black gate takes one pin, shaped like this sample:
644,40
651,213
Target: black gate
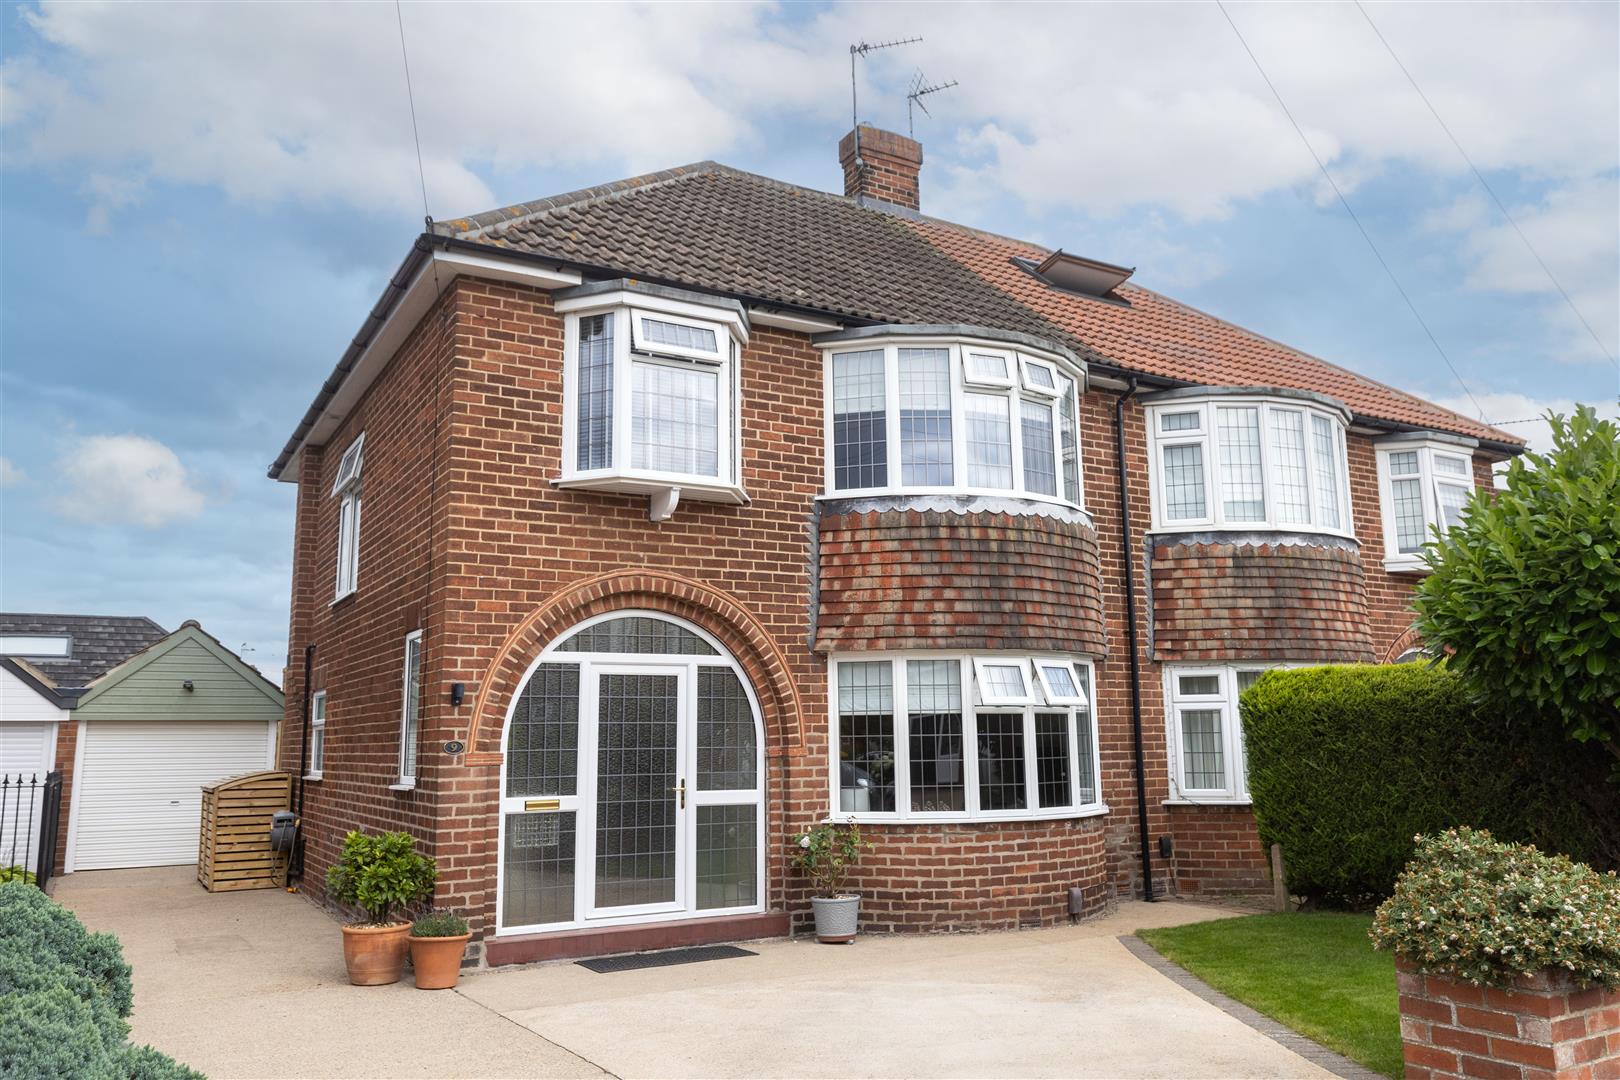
30,805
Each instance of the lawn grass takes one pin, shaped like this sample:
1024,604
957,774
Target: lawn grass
1315,972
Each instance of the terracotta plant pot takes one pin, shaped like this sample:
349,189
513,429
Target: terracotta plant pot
375,955
437,960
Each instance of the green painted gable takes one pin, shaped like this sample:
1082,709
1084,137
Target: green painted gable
148,686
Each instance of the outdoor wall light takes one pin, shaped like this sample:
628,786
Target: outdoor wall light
458,694
187,686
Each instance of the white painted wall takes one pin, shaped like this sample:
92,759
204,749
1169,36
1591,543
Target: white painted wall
21,702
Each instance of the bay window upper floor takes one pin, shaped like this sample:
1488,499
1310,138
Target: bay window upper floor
1424,482
1249,459
951,411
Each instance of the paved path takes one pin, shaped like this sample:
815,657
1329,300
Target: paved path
252,985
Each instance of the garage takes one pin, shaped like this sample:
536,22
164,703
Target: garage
137,798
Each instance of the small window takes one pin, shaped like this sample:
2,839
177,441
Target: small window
1191,420
1198,685
987,368
1059,683
1003,682
347,488
1422,488
411,711
1039,376
317,735
1209,762
36,646
665,335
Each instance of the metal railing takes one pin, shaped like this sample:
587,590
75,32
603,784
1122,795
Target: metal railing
30,805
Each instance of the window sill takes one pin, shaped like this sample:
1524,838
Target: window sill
1213,800
338,599
975,494
313,776
1230,532
403,787
958,819
1405,564
693,489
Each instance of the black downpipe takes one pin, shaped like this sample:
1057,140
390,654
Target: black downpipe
295,858
1130,630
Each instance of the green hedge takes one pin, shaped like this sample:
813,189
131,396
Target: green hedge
64,996
1348,764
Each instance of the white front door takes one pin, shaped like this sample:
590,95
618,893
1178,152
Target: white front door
632,786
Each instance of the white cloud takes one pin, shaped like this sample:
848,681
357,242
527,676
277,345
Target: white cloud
10,474
1521,414
126,479
1574,231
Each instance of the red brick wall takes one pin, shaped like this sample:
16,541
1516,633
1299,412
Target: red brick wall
360,640
67,742
1543,1028
1258,601
909,579
1218,852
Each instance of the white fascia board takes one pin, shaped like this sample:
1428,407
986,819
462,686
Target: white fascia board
431,280
782,320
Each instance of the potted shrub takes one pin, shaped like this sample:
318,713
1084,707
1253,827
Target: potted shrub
380,875
827,853
438,940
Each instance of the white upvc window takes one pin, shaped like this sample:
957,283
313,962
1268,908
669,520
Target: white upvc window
346,489
925,736
410,724
651,392
1248,462
950,417
1423,485
317,735
1208,763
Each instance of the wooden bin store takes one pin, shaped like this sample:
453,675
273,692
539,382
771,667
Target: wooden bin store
233,851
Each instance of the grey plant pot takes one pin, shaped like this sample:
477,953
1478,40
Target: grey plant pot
836,917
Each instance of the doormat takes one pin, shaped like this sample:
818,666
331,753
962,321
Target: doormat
669,957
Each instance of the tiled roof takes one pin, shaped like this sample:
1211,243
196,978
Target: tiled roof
715,228
100,642
1150,333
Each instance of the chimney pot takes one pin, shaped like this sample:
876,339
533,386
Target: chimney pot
888,167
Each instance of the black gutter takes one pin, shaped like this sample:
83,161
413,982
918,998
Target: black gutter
1130,631
303,746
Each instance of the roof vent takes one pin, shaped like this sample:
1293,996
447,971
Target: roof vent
1082,275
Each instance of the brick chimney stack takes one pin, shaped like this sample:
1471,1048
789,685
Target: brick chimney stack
888,167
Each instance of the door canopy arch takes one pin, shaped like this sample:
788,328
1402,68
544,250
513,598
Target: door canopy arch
713,611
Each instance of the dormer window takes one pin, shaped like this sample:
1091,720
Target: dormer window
925,413
346,489
651,396
1424,481
1241,459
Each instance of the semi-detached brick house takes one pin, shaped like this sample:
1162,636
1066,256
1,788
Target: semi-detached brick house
700,507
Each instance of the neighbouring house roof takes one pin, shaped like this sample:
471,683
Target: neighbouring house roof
190,632
40,683
711,227
99,643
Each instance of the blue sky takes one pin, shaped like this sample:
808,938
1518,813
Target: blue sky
198,206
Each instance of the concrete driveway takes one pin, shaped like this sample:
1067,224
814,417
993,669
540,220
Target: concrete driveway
252,985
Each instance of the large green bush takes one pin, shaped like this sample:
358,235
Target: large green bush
64,997
381,875
1470,907
1348,763
1525,593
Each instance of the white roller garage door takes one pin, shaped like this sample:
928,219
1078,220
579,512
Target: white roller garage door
26,755
137,797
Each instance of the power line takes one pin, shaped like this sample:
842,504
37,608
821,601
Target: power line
1365,235
411,98
1484,183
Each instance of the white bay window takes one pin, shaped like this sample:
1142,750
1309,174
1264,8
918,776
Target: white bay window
651,387
940,737
1424,482
1248,461
951,416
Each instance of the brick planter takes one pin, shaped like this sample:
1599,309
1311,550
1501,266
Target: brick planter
1543,1028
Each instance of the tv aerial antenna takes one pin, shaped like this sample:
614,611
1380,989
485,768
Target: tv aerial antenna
859,51
920,89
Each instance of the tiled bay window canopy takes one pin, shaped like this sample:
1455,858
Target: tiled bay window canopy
1253,458
952,410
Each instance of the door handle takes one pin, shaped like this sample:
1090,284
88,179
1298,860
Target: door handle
680,790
